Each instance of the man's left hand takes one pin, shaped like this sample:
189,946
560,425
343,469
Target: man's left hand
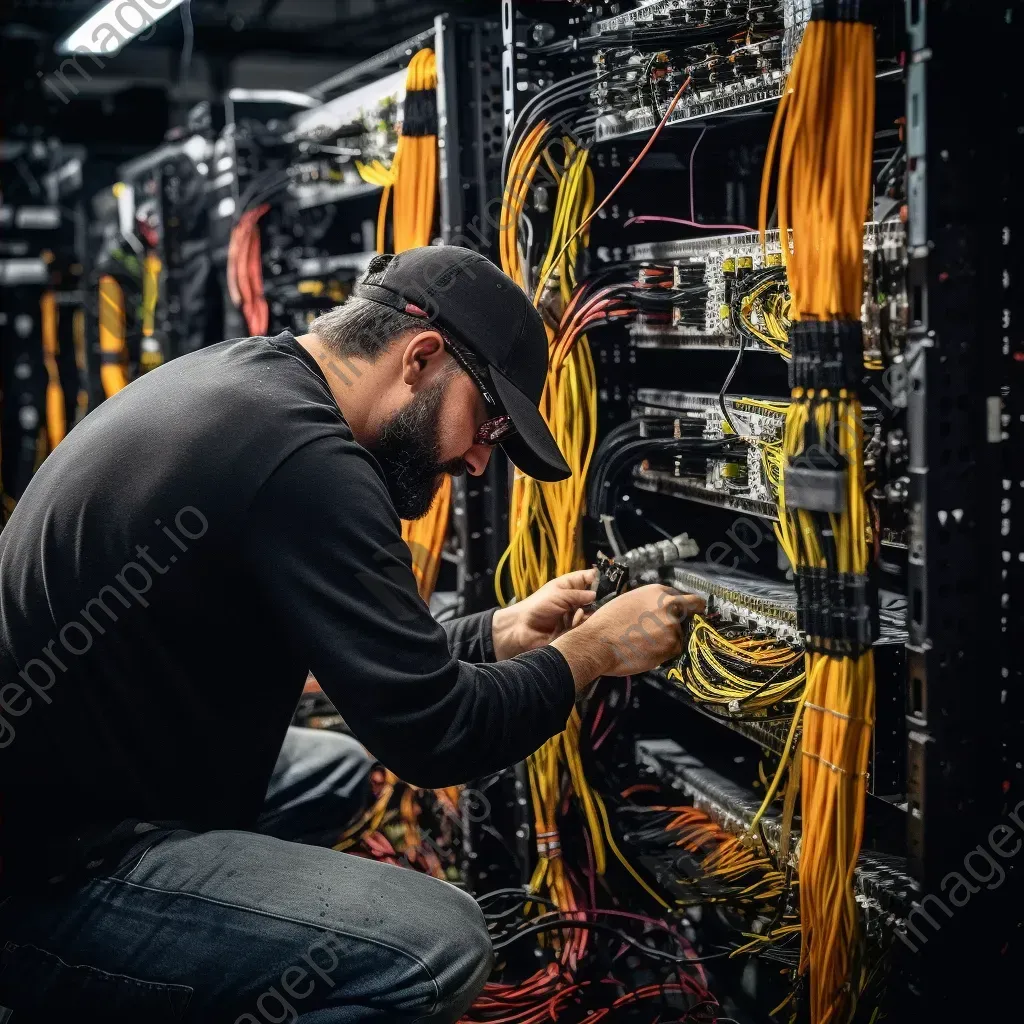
544,615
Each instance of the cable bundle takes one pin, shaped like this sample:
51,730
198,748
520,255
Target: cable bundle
740,673
544,522
761,307
150,355
544,519
56,418
412,181
823,137
592,990
112,335
414,169
732,868
629,453
390,829
245,271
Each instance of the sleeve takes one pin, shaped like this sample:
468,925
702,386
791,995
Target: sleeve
322,547
470,637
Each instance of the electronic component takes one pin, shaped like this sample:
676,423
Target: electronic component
723,262
612,578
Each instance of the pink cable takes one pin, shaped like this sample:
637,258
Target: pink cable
693,152
590,870
600,739
646,218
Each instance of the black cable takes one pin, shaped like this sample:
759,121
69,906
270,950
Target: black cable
678,37
599,926
635,451
553,95
728,381
527,896
884,172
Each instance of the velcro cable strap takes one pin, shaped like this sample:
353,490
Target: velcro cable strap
826,354
419,112
837,612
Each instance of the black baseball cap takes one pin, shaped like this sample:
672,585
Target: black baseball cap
465,295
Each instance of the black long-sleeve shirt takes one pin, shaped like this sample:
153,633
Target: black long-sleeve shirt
174,569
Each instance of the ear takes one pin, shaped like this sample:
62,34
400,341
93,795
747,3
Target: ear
423,354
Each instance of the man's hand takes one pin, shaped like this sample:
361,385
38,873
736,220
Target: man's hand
632,633
544,615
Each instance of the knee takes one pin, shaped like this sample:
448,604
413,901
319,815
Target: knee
467,958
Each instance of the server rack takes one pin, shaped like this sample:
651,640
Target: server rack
956,755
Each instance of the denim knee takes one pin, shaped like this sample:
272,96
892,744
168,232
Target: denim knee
465,951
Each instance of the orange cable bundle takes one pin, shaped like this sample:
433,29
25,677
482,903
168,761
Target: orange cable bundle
56,421
414,191
823,139
113,353
245,271
545,518
78,339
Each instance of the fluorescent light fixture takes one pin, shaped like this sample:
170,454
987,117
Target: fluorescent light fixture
113,24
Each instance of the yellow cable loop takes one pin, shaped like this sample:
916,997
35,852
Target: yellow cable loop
410,188
545,517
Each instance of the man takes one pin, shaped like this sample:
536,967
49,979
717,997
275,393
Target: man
209,534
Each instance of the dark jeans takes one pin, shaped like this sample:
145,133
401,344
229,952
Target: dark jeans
249,927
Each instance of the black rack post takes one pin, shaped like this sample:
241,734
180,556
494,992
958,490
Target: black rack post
470,136
963,718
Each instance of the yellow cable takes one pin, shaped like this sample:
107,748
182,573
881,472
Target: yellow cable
113,354
822,141
56,420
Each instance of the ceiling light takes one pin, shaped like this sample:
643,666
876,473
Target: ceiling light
113,24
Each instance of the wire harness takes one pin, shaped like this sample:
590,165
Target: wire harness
823,138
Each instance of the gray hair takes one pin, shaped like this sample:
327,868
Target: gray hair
361,327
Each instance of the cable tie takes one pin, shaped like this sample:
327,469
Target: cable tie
834,767
838,714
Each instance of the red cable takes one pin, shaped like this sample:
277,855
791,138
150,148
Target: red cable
622,181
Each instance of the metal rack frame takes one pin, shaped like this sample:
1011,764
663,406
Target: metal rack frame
964,356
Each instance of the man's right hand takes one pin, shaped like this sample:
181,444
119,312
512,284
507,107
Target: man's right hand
632,633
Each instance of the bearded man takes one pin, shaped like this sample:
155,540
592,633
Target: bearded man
222,526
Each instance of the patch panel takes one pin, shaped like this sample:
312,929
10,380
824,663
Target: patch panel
727,259
884,888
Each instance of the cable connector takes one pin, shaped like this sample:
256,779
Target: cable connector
826,354
837,612
419,112
612,578
661,552
814,488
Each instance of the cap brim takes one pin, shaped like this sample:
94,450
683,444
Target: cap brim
532,448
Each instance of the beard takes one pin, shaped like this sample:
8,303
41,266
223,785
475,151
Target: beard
408,450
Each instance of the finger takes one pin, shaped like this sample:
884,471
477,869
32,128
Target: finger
682,606
581,616
582,579
571,599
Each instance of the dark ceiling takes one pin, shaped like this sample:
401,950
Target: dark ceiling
344,29
130,101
